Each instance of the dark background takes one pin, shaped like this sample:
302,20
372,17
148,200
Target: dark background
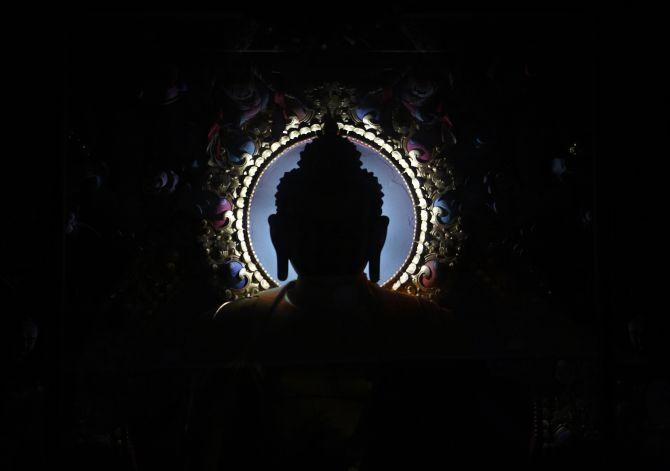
520,86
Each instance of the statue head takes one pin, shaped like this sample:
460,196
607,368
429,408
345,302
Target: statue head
329,218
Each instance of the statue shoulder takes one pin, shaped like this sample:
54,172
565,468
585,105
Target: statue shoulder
408,305
224,333
413,326
251,307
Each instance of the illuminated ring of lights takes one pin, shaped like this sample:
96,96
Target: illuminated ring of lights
433,242
381,151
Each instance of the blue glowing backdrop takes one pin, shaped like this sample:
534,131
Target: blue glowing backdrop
398,206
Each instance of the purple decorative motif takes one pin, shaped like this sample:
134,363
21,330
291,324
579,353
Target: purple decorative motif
231,274
238,146
219,220
424,154
427,140
369,111
164,182
431,278
449,207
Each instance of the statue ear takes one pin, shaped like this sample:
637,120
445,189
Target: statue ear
278,237
376,246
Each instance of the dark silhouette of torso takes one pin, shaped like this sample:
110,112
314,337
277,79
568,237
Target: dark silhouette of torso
365,382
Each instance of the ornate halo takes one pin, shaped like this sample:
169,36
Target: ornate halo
239,157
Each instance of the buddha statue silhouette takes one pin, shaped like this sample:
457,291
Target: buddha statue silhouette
298,367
